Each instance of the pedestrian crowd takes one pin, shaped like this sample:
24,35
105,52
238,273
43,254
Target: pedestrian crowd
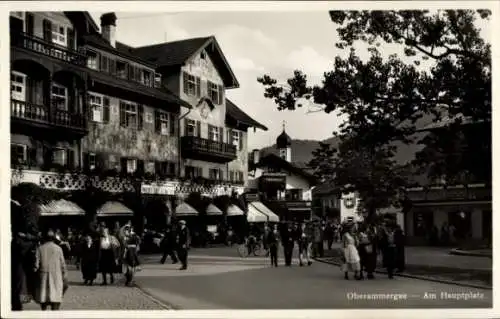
362,243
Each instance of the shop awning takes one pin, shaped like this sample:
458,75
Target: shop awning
212,210
61,208
112,208
254,216
185,210
261,208
234,210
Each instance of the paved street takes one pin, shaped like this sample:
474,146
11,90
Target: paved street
112,297
218,278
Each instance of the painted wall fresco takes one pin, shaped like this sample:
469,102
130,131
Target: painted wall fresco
145,144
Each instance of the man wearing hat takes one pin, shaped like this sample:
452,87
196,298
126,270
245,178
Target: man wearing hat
182,240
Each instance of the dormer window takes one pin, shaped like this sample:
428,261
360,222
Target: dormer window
92,60
146,76
122,69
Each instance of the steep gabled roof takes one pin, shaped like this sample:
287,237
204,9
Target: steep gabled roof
121,49
176,53
234,112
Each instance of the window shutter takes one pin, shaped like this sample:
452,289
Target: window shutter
123,164
104,63
86,161
221,174
140,116
198,128
220,95
185,82
221,134
140,166
105,109
47,156
208,92
30,23
230,136
71,158
71,39
240,146
47,30
198,87
32,161
199,172
123,118
158,168
186,127
112,66
171,124
131,73
157,122
171,169
240,176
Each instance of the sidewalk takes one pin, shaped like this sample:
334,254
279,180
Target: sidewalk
436,264
96,297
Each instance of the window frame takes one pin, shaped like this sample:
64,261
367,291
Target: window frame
97,60
165,120
93,106
214,133
235,141
128,168
191,81
213,92
128,112
150,82
15,83
56,31
191,123
283,153
65,97
63,151
24,152
123,73
92,161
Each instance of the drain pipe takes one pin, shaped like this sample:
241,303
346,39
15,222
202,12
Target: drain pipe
179,140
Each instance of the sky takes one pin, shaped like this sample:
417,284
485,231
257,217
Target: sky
256,43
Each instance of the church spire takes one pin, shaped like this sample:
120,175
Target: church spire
284,125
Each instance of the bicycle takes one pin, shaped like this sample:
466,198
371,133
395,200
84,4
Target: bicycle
257,248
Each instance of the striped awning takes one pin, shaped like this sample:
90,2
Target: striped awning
272,217
113,208
234,210
254,216
61,208
212,210
185,210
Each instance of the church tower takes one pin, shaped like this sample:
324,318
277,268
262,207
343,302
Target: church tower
284,143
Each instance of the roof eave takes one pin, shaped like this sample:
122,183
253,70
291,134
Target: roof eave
235,84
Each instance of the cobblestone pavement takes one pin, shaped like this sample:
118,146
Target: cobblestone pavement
220,280
96,297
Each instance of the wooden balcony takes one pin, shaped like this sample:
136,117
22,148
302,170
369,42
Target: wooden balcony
206,150
39,45
42,116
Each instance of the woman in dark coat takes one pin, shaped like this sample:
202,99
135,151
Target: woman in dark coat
89,258
388,245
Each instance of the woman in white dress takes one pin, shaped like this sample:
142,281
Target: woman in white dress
351,255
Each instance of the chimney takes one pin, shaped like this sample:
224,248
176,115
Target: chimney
256,156
108,28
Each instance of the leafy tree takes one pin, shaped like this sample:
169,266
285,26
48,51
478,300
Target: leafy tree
382,99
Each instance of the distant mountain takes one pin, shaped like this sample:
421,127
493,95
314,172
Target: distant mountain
301,150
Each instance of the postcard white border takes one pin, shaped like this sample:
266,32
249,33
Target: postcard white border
160,6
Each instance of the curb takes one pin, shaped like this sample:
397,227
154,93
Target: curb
459,252
442,281
153,298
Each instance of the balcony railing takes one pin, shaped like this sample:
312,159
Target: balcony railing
41,46
204,149
40,114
